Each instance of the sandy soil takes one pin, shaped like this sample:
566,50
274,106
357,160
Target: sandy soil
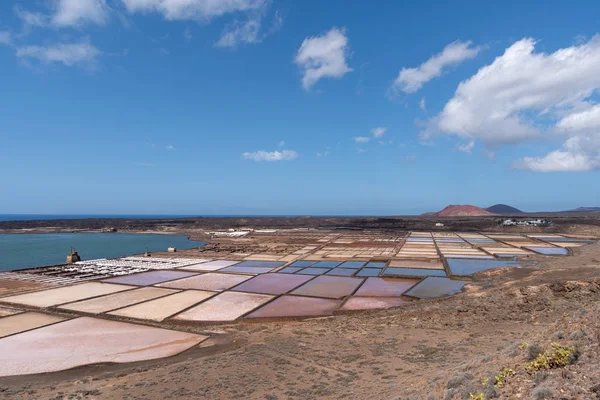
8,287
444,349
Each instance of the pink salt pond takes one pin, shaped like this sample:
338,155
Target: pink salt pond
273,283
210,281
84,341
296,306
226,306
333,287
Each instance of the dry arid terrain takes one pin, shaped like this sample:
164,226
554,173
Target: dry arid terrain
562,222
494,340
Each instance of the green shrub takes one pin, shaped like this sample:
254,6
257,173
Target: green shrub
501,377
560,356
478,396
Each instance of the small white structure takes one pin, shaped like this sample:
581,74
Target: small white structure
229,234
439,224
534,222
172,250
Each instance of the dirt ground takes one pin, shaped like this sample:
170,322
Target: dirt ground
8,287
562,222
454,348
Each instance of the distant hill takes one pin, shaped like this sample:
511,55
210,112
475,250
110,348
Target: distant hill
586,209
503,209
428,214
462,211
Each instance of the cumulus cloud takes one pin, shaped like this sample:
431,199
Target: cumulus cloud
323,57
199,10
283,155
378,132
69,54
79,12
524,95
422,105
573,157
582,121
362,139
410,80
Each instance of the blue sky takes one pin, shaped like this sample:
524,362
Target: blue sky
297,107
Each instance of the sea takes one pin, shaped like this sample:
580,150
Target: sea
20,251
44,217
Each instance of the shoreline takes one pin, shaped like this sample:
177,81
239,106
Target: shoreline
94,248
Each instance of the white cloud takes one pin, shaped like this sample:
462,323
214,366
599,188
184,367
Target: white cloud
277,22
70,54
422,105
410,80
79,12
323,57
362,139
362,150
578,153
170,147
31,18
193,9
241,32
283,155
467,147
249,31
558,161
496,104
524,95
378,132
5,37
281,144
67,13
581,121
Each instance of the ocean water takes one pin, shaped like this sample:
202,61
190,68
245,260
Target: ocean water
19,251
47,217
